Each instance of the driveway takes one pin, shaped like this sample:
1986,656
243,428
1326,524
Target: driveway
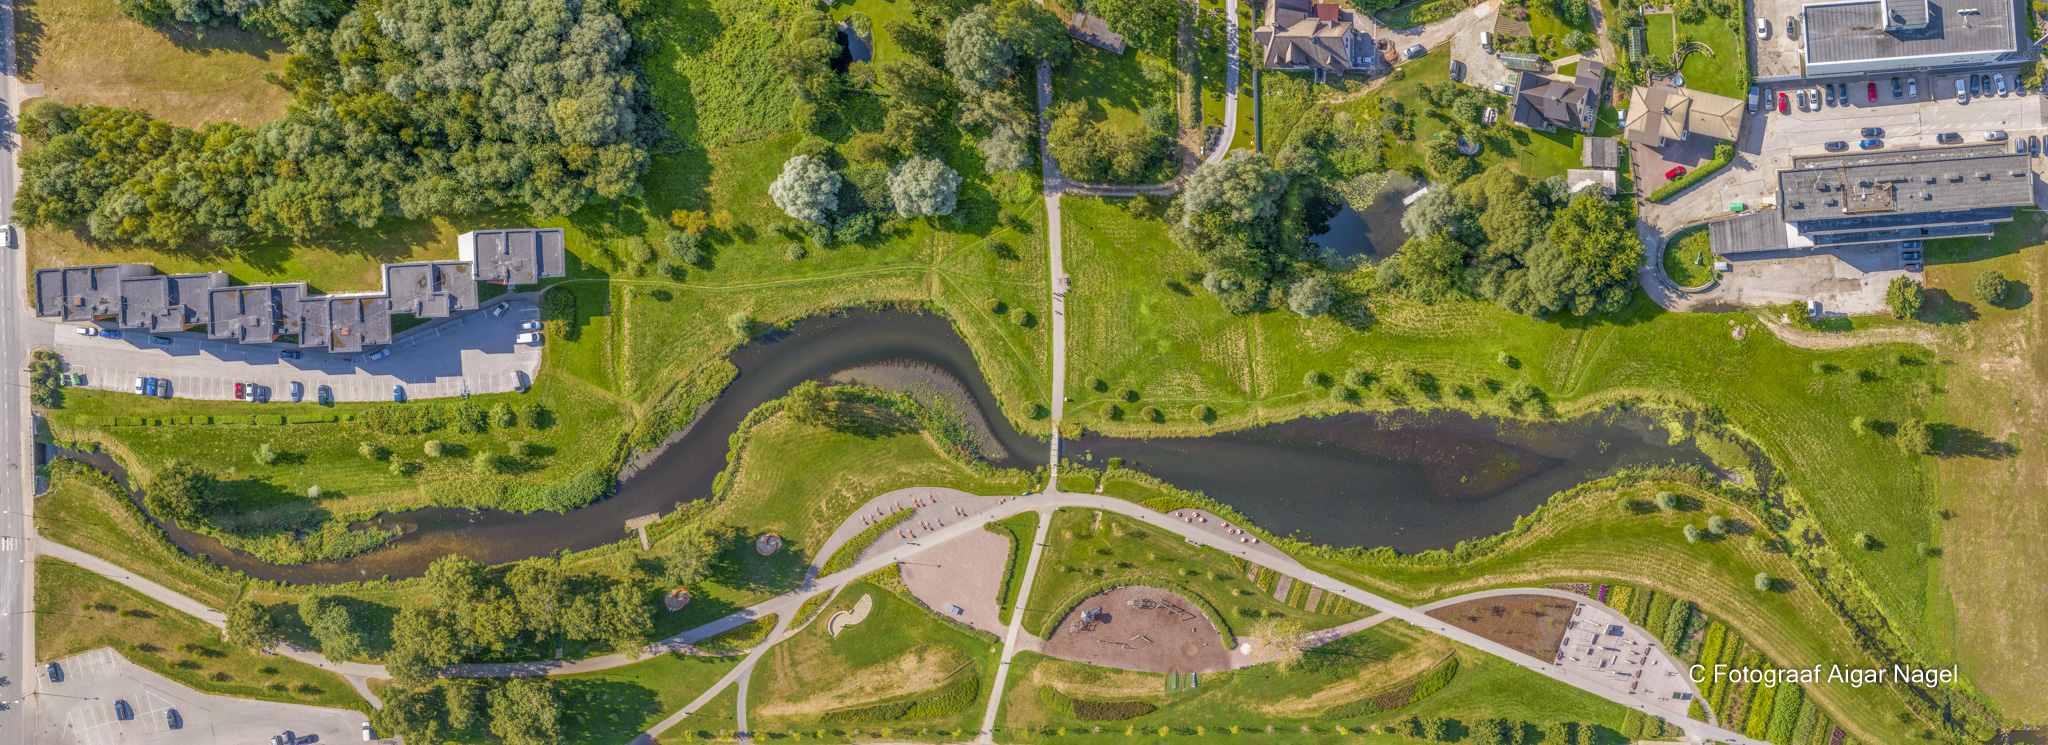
1847,281
473,353
1483,70
80,710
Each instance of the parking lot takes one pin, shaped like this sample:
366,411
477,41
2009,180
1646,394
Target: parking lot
474,353
80,710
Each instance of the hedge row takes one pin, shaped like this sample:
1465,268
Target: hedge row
141,421
1093,711
1724,154
587,486
1412,691
942,701
849,552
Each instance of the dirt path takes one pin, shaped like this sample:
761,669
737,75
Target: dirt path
1825,340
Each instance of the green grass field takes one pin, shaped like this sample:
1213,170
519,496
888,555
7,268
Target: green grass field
79,611
617,704
1238,706
1087,548
1689,259
1543,22
1538,155
1723,72
1021,529
88,52
898,653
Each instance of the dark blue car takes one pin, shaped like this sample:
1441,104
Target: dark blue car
1869,144
149,386
110,333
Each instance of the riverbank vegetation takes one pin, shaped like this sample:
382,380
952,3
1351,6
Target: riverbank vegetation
1342,688
80,611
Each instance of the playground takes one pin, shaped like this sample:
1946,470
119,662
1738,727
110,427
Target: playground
1140,628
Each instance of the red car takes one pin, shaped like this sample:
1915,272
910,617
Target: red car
1784,104
238,391
1675,172
1872,88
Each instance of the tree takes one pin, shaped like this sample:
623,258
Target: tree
1903,295
526,711
265,454
488,463
251,626
423,642
740,324
1692,534
435,448
1915,437
1717,525
1763,582
1311,297
807,190
1147,24
457,580
373,451
333,626
541,589
1280,642
808,404
976,53
1991,287
1667,501
923,187
1034,31
912,84
1005,150
690,556
1437,211
1866,541
1591,258
182,493
1241,187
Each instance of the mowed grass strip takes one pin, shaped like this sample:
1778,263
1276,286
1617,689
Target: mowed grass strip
79,611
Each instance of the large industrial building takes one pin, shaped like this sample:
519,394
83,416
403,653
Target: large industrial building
1845,200
134,296
1854,37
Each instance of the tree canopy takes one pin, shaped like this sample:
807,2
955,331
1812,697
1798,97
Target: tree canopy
1243,186
923,187
807,190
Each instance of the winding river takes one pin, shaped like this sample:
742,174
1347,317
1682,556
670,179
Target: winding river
1410,481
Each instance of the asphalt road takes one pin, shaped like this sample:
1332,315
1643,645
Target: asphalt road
17,620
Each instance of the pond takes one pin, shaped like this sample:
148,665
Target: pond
1410,481
1357,237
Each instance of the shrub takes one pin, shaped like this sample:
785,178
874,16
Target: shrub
1903,296
1692,534
1915,437
1112,411
488,463
265,454
435,448
1343,394
1150,414
503,416
740,324
1859,426
313,492
1763,582
373,451
1358,379
940,701
1314,378
794,251
1991,287
1717,525
1667,500
1128,395
523,449
1202,413
996,306
1866,541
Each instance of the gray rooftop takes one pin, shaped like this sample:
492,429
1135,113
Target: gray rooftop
345,324
255,314
1602,152
431,289
1864,30
1916,181
163,303
1752,231
84,293
517,257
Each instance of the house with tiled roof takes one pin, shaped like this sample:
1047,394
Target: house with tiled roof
1324,37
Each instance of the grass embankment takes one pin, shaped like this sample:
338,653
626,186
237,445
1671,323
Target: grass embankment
1021,529
84,51
899,654
1128,326
1689,258
1987,606
1614,533
1087,549
617,704
79,611
1356,668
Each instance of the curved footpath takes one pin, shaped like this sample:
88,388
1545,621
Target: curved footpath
990,509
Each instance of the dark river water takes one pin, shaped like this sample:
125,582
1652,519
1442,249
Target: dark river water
1412,482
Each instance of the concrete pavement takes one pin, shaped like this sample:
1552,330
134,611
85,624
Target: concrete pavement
1230,83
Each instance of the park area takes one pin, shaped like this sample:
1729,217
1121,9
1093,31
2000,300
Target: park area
1689,258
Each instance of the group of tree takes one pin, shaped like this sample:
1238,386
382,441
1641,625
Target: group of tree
407,108
516,711
1502,731
1531,247
1094,153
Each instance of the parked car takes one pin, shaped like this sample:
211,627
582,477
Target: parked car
262,393
1791,27
1996,135
298,391
1871,89
1999,79
1873,131
1752,99
163,387
161,341
529,326
1828,92
368,733
172,720
398,393
1763,28
1784,105
1912,88
149,386
1948,138
518,382
290,354
88,331
1816,99
122,710
1962,91
380,354
1503,89
1457,71
138,384
1837,146
325,395
1802,101
528,338
239,392
1486,41
7,236
1675,172
110,333
1910,245
1910,256
56,672
1870,144
1976,86
2033,146
1898,91
1813,308
1416,51
498,310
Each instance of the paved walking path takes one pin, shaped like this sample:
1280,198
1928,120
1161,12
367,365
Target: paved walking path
1230,83
995,694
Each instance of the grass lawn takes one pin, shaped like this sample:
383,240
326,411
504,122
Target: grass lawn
1604,535
1021,529
1086,548
1418,13
1537,155
1543,22
1725,72
85,51
802,481
900,652
1689,259
1238,705
617,704
82,511
79,611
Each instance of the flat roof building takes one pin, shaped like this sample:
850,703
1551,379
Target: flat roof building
1095,31
1884,196
168,302
431,289
514,257
255,314
1865,36
84,293
346,324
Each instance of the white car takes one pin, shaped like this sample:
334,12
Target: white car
138,386
1962,90
533,338
6,236
1503,89
495,312
88,331
1763,28
529,326
1999,79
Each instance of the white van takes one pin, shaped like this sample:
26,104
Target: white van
1486,41
532,338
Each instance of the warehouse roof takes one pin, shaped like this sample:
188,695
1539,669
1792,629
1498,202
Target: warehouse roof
1866,30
